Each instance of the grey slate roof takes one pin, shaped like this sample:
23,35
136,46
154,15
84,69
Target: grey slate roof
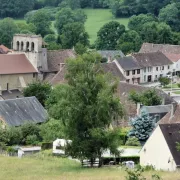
11,94
128,63
171,134
16,112
157,109
110,53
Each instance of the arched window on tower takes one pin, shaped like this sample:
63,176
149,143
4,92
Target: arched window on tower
27,46
22,46
17,48
32,46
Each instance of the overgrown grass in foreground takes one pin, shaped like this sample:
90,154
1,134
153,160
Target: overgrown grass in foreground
49,168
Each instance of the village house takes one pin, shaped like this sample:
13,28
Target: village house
144,67
15,72
15,112
160,150
171,51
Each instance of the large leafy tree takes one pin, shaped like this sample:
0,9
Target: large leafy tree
72,34
142,126
41,90
87,105
136,22
108,35
130,41
42,22
147,98
7,29
66,16
171,15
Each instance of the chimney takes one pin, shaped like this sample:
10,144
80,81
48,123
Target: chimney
138,108
173,109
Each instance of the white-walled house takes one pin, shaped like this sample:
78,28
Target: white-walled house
160,149
144,67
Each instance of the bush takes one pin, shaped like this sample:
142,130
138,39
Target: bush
133,141
52,130
178,85
164,81
32,140
2,146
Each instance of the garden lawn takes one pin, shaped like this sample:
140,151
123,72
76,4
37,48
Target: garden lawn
96,18
52,168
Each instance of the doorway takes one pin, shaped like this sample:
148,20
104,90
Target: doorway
149,78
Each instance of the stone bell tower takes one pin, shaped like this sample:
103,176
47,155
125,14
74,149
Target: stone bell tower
31,46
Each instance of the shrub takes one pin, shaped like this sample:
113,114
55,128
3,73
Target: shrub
52,130
164,81
133,141
178,85
2,146
32,140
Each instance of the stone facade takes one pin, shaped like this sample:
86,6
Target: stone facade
31,45
16,81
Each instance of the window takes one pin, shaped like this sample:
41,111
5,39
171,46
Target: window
138,71
168,67
127,73
145,78
149,69
134,72
34,75
163,68
156,68
127,80
144,69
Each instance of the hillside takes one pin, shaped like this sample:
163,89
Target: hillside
96,18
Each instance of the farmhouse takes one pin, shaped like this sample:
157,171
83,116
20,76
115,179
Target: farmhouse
15,112
15,71
144,67
160,149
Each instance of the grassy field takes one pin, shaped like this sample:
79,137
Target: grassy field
51,168
96,18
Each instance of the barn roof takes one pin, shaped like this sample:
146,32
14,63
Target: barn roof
15,112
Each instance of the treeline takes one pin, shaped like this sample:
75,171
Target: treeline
18,8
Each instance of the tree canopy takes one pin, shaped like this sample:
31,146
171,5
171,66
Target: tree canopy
108,35
87,105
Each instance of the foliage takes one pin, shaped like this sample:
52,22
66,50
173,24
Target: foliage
178,85
72,34
178,146
32,140
108,35
40,90
129,41
136,22
142,126
87,105
2,146
170,15
80,48
54,46
15,8
42,22
164,81
66,16
24,27
147,98
135,174
50,38
51,130
133,141
7,29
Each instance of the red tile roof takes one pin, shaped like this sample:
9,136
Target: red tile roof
172,57
15,64
4,49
